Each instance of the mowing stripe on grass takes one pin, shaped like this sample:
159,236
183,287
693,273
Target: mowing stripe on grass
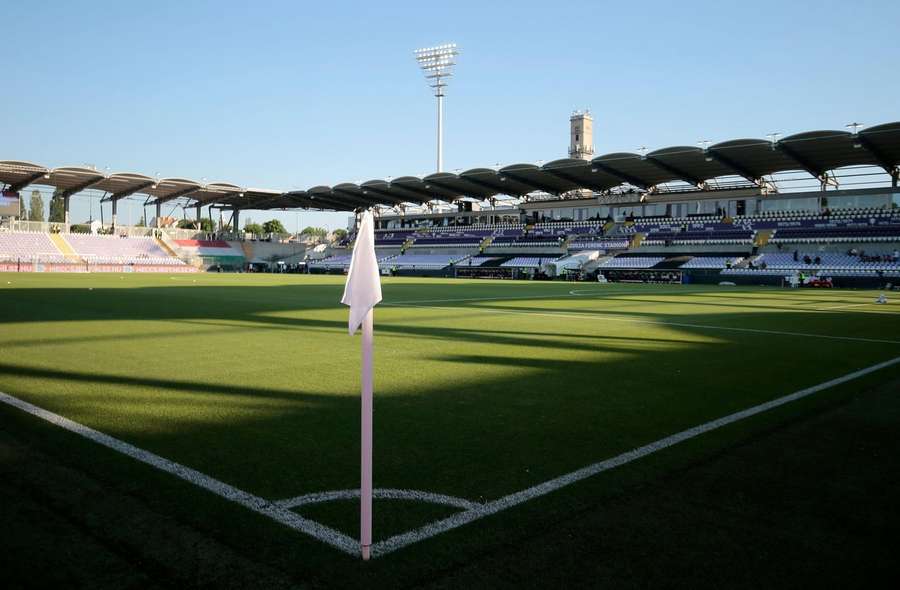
262,506
379,494
457,520
601,316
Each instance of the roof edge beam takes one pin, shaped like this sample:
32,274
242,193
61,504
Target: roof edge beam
875,151
570,178
331,201
483,184
735,167
80,187
175,195
354,199
419,191
805,164
620,175
303,202
127,192
538,185
447,187
23,183
681,174
392,198
264,201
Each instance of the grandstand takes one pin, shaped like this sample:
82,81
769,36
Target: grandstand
23,251
677,208
421,261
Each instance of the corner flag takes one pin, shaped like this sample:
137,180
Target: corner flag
363,289
362,292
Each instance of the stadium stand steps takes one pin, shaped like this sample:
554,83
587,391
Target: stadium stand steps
762,237
64,247
636,241
166,248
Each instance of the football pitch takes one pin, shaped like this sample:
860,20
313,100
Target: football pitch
516,424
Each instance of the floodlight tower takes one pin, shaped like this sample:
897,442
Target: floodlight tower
437,64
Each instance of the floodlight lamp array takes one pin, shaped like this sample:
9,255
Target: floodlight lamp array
437,63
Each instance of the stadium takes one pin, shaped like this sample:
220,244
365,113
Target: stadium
729,211
670,367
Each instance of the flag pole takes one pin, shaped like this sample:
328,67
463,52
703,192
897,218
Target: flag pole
365,492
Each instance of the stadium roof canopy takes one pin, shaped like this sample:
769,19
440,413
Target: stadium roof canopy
817,153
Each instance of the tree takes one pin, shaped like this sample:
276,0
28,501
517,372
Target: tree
253,228
318,234
57,208
338,235
206,224
273,226
143,221
36,206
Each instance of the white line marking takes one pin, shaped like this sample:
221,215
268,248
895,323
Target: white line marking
611,293
279,511
601,316
557,295
834,307
379,494
430,530
262,506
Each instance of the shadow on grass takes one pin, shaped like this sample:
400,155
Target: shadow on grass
508,407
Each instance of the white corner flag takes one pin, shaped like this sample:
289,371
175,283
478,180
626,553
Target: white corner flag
363,289
362,292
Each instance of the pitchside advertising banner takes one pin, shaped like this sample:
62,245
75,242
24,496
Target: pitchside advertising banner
9,204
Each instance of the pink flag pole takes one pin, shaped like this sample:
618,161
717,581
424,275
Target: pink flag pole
365,491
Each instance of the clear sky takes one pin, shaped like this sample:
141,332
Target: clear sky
289,95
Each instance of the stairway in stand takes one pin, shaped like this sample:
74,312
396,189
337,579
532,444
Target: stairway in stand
64,248
762,237
168,249
636,241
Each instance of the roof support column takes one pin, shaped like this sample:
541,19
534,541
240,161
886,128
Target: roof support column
825,179
115,210
895,175
158,213
236,221
66,209
199,215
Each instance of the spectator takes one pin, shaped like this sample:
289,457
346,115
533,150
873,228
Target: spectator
896,255
796,256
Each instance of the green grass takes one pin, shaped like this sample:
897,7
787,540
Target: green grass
483,388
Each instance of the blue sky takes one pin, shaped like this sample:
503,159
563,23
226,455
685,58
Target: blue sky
293,94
